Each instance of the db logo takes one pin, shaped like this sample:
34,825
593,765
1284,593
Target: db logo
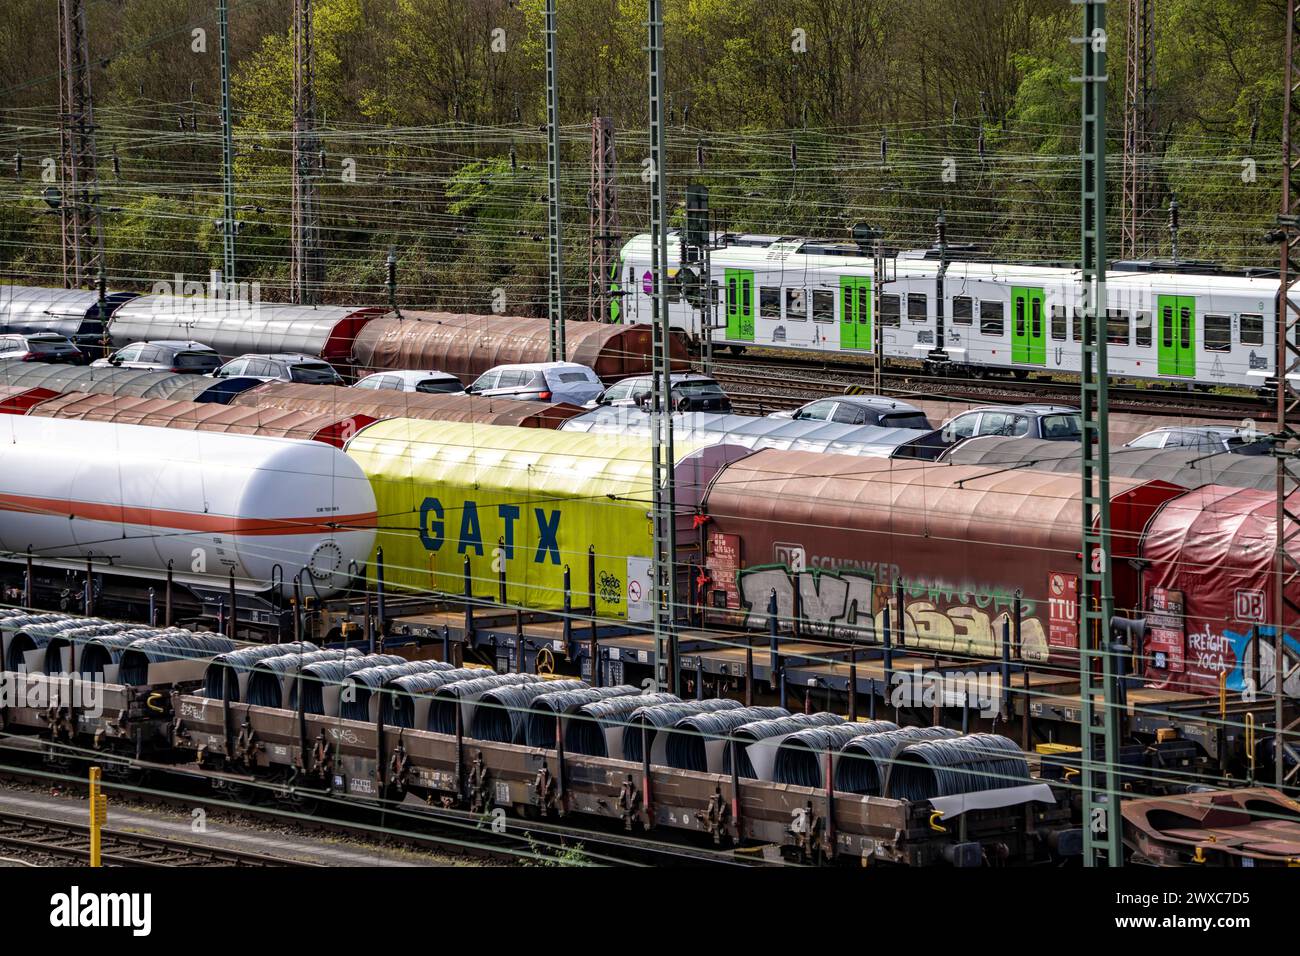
1250,605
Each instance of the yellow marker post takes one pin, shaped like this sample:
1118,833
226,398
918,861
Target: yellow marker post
98,816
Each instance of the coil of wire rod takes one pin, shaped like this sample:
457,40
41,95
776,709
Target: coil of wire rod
399,701
37,636
22,619
539,724
359,686
943,768
315,676
243,659
136,659
747,734
501,711
448,697
865,760
800,757
660,716
106,650
686,747
75,637
585,731
267,676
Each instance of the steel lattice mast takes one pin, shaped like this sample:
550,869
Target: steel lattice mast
555,289
305,272
661,417
603,229
82,225
227,151
1137,199
1101,820
1287,364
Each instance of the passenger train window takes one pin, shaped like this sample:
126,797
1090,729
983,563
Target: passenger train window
1142,329
769,303
1020,318
733,302
889,310
824,305
991,315
1167,327
1117,327
1078,324
746,298
1185,328
1252,329
1218,333
963,309
1036,318
796,305
1059,330
918,309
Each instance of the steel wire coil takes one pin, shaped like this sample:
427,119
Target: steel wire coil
865,760
359,686
74,637
448,697
747,734
399,703
267,676
800,757
501,712
655,718
243,659
36,636
585,732
165,647
944,768
686,746
106,650
315,676
539,724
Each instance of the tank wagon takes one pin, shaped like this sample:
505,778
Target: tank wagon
210,511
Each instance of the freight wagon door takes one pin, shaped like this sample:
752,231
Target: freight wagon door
740,305
1028,336
1177,352
855,312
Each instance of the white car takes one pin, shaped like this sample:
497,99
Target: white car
540,382
413,380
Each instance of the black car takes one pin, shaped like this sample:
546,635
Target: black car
41,347
691,393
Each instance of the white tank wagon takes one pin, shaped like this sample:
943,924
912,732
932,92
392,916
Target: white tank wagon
135,500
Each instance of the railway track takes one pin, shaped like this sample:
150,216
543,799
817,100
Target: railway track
788,381
428,827
71,841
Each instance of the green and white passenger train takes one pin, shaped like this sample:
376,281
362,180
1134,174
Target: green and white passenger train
1186,324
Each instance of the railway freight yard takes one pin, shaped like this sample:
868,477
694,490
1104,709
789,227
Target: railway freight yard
848,441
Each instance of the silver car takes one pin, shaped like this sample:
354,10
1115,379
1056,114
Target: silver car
283,367
413,380
540,382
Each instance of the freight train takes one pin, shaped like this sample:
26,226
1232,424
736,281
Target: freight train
461,508
1181,323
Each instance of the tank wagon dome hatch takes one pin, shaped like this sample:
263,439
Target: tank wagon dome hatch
134,498
468,345
541,498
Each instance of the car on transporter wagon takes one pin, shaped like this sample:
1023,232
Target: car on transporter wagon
183,358
282,367
1049,422
41,347
851,409
539,382
691,392
412,380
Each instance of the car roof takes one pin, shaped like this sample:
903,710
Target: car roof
44,335
283,357
1198,429
410,373
175,344
537,366
1034,408
881,402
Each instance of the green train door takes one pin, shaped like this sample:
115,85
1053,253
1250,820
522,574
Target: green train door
1177,342
855,313
1028,334
740,305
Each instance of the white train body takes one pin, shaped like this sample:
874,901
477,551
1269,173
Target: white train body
136,499
1207,329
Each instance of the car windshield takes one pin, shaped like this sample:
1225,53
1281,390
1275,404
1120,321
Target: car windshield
570,377
438,386
316,373
1062,426
197,360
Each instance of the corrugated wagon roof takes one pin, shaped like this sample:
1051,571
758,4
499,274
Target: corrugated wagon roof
117,381
379,403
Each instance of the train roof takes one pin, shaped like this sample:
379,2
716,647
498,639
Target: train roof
121,381
37,309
